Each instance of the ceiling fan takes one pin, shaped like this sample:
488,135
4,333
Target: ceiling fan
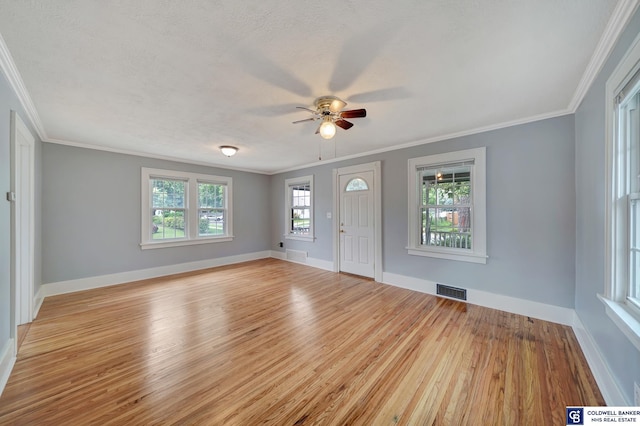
329,110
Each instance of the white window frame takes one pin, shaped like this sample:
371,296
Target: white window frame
288,184
191,208
623,313
478,251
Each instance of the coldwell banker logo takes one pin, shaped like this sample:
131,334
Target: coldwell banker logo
575,416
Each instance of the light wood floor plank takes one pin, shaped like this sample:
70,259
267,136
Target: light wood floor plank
270,342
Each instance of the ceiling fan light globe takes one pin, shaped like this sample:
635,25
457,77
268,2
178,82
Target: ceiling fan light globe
327,129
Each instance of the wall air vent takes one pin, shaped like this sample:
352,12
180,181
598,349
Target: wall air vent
297,256
453,292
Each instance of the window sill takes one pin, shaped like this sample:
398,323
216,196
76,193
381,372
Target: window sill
309,238
450,255
180,243
623,319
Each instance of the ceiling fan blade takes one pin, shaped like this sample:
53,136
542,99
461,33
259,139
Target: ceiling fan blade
306,119
308,109
354,113
344,124
318,129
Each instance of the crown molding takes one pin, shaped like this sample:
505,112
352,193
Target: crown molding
12,74
438,138
149,155
617,22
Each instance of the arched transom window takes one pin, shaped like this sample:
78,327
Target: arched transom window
357,184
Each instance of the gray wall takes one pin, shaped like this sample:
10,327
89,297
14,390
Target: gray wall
621,356
530,211
8,102
91,214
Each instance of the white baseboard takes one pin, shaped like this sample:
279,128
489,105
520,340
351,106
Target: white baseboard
609,388
528,308
7,360
326,265
62,287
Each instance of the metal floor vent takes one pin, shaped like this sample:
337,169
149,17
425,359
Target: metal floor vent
297,256
453,292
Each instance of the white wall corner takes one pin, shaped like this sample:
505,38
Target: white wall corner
609,388
278,254
320,264
62,287
7,361
37,302
410,283
325,265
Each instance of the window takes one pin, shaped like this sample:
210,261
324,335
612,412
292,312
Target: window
357,184
447,206
180,208
622,293
299,208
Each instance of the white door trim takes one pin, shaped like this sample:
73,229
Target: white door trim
377,213
22,223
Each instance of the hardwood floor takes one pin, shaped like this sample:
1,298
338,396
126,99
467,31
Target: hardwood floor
271,342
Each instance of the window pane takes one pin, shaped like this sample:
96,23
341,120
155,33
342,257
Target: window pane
447,185
210,195
632,131
357,184
424,226
446,227
462,193
634,247
424,191
301,195
634,290
300,221
167,193
167,224
211,209
211,222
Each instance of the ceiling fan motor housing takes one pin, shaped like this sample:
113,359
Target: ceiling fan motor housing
329,104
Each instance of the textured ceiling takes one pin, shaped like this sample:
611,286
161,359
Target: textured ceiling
179,79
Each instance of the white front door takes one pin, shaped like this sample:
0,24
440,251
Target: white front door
357,223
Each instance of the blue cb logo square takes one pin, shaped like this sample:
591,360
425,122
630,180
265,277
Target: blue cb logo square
575,416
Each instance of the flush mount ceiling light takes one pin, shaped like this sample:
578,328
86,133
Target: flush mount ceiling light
228,150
